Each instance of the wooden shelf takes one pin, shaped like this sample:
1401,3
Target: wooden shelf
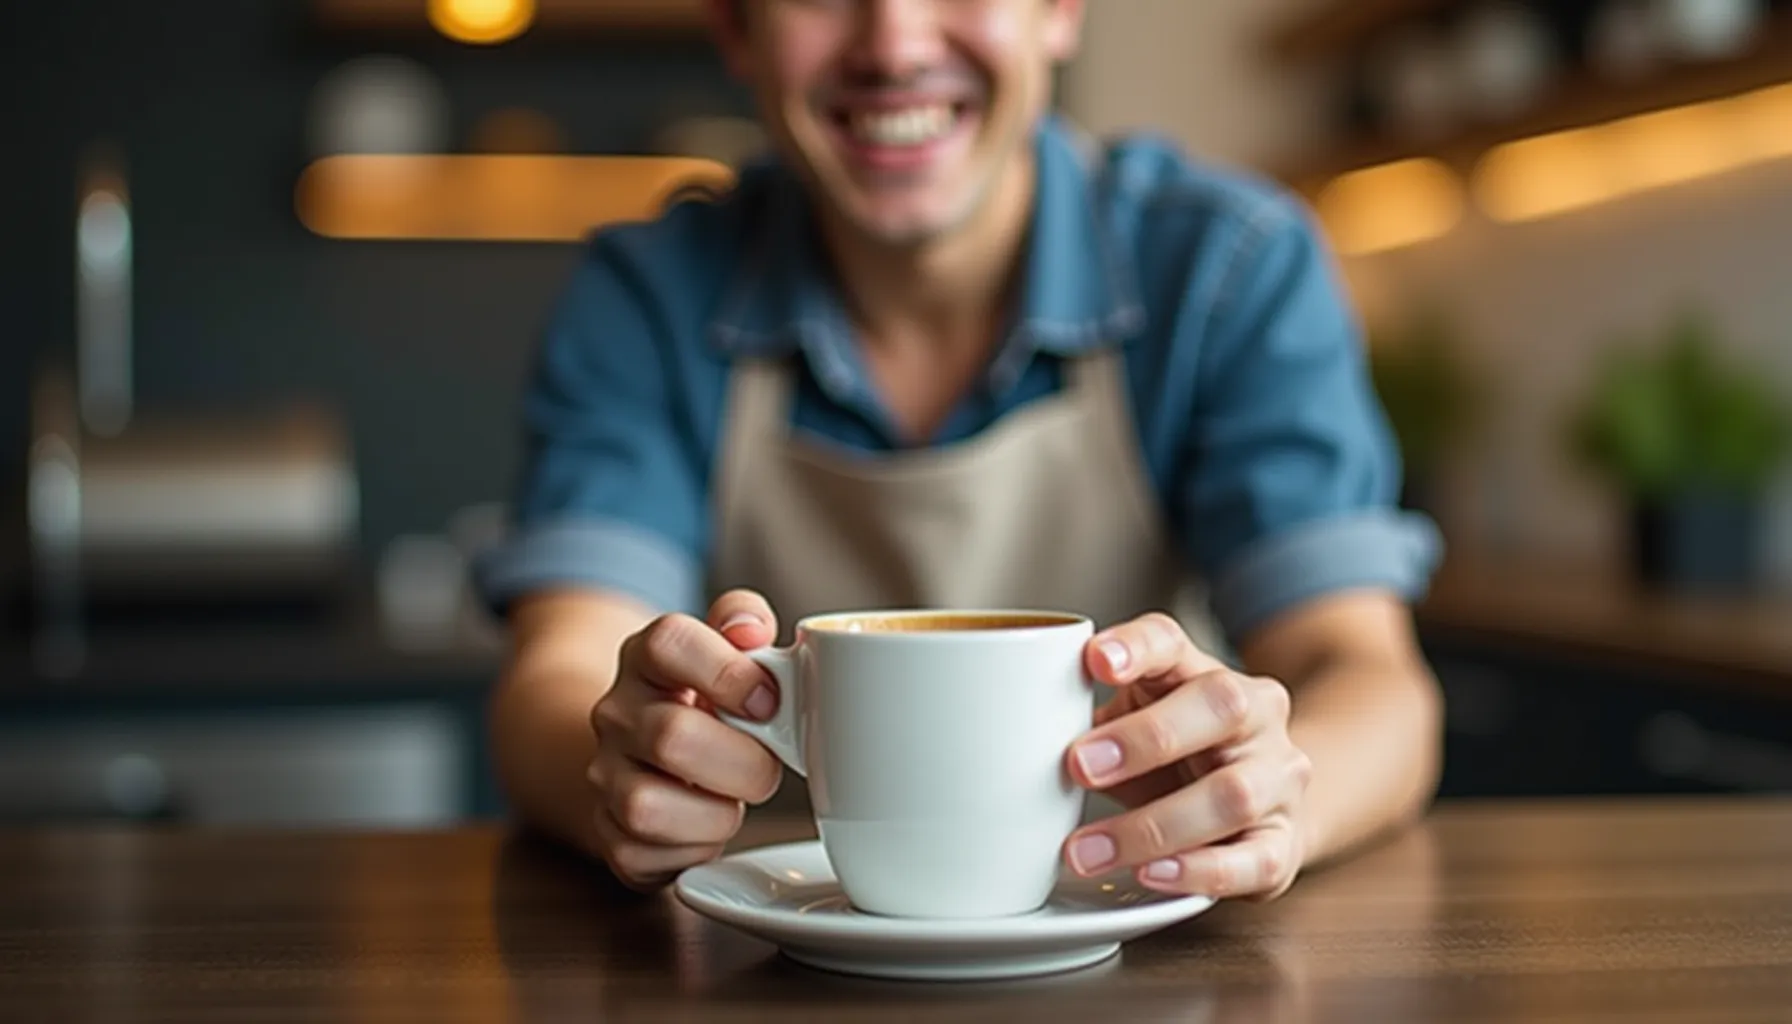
1341,24
559,18
1576,101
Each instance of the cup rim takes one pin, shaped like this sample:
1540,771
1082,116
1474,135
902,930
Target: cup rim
812,625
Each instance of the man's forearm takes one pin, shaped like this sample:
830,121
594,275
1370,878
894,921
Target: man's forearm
564,658
1373,729
542,745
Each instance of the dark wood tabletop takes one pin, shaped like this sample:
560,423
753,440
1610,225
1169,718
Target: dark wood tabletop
1573,911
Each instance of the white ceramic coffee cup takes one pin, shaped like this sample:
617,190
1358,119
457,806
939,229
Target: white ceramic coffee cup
935,757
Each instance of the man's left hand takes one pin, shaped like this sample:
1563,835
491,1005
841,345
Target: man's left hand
1202,757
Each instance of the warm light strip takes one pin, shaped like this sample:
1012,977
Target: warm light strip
1571,170
504,198
1391,206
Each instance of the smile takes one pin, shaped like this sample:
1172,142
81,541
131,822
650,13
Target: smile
898,139
907,126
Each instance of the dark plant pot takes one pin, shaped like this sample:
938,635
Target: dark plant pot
1704,542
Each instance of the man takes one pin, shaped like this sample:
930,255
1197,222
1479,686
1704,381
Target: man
940,352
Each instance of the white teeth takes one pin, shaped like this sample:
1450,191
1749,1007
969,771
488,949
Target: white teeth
913,126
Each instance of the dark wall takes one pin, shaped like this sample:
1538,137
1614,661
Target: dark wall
420,347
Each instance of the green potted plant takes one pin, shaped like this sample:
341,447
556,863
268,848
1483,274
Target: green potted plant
1691,439
1428,395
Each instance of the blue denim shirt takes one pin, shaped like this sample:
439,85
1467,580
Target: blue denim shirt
1256,419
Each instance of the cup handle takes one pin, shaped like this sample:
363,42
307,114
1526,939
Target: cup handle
783,734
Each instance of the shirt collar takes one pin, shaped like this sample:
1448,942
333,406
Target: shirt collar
1080,286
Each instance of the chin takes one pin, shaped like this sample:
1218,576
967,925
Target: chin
909,223
902,230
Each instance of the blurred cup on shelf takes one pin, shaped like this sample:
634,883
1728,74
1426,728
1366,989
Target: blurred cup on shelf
1411,79
1622,43
1506,58
1707,29
422,583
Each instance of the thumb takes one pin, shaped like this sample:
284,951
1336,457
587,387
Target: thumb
745,618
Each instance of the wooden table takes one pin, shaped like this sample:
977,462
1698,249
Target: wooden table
1644,911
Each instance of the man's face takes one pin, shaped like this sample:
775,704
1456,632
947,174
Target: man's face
903,114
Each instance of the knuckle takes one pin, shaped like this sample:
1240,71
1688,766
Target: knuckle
673,737
666,638
1226,696
742,599
1273,863
1237,799
632,862
607,715
1280,701
1302,770
640,812
1223,878
1150,835
769,775
734,681
1157,737
1163,631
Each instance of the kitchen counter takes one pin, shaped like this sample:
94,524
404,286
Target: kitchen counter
339,662
1742,644
309,717
342,651
1658,909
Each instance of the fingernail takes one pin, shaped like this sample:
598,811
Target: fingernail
762,703
1115,654
741,619
1092,853
1098,758
1167,870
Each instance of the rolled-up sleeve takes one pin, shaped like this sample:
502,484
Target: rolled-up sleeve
1291,476
610,498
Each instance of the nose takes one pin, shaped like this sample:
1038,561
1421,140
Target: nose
897,38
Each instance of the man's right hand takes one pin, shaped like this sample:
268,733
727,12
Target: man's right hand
672,780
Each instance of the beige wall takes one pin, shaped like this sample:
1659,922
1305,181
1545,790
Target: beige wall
1193,69
1536,301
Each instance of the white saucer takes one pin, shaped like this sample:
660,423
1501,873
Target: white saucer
788,896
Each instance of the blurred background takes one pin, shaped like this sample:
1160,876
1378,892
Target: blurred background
273,272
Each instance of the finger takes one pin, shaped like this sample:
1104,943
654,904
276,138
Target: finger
1211,709
1217,806
644,866
677,652
697,748
1261,864
1152,647
652,808
745,618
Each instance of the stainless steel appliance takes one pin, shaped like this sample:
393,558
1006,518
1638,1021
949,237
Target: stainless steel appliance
161,510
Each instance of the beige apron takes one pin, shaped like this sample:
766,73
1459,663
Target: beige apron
1050,509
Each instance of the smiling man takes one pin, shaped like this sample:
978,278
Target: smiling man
939,350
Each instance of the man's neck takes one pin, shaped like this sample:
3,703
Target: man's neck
949,293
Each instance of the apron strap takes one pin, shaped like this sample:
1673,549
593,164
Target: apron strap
757,416
1097,381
